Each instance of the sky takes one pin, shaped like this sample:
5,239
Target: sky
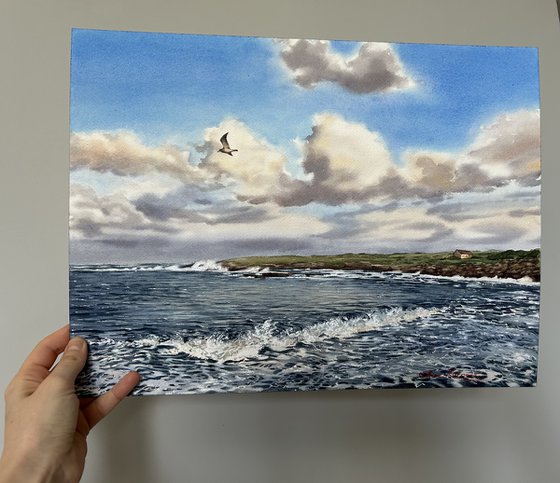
342,147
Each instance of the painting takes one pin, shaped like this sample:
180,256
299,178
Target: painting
262,214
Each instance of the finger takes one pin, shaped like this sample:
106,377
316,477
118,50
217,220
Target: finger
72,362
86,401
36,366
103,405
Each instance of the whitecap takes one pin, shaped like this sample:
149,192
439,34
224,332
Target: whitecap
250,345
206,266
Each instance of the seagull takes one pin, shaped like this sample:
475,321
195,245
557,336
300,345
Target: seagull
225,146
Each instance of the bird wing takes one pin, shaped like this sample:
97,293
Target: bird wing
224,141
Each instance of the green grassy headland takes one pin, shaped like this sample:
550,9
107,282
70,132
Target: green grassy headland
507,264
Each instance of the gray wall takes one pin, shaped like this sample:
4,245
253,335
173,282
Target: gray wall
471,435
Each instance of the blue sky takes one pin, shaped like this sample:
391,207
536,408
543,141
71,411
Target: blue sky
168,86
172,88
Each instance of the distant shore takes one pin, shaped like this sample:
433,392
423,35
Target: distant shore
515,264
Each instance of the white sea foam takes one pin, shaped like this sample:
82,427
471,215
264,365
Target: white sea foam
214,266
199,266
497,280
359,274
218,347
517,281
256,269
250,344
206,266
151,341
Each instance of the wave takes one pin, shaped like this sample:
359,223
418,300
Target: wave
497,280
124,268
251,344
359,274
214,266
206,266
199,266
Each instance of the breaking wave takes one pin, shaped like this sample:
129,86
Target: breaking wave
214,266
497,280
206,266
199,266
251,344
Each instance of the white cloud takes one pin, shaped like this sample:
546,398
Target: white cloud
405,225
345,155
278,224
349,163
375,67
116,225
509,147
430,174
346,162
123,154
505,151
485,196
499,229
131,187
343,163
256,173
421,228
92,215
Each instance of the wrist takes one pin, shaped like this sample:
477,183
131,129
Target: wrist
14,469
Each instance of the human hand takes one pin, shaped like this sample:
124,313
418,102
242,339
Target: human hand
46,424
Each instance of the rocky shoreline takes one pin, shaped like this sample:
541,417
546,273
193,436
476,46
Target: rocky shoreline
513,269
505,269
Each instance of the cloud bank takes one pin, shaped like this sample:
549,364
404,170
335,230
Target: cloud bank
353,192
344,163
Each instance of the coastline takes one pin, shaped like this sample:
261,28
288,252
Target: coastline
510,264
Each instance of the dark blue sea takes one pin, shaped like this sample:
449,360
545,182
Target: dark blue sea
203,329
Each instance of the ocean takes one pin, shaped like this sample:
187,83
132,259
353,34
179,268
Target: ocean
202,329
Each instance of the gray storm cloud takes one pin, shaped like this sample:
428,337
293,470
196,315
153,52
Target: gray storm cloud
374,68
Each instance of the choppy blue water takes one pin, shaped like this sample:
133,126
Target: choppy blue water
203,329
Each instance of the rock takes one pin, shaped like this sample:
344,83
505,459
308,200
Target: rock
267,274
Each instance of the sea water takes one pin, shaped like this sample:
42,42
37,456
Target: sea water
201,328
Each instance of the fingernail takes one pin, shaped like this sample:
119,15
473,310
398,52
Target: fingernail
76,344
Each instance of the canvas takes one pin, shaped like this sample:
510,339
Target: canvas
255,214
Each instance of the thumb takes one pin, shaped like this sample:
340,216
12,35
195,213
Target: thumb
73,360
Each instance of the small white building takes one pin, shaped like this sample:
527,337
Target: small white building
462,254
